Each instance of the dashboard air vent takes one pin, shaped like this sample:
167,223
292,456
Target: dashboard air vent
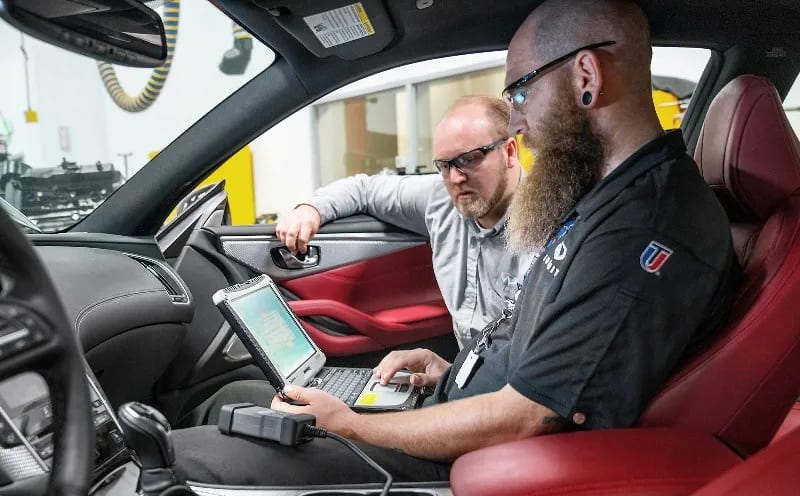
175,289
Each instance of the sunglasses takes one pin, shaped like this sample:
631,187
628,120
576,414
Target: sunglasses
467,161
516,92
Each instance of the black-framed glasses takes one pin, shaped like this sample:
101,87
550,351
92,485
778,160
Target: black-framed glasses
516,92
467,161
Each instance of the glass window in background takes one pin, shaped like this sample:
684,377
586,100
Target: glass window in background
435,96
791,104
363,134
676,71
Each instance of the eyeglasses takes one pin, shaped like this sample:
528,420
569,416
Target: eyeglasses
516,92
467,161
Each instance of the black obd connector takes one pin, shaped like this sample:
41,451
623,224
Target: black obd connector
247,419
288,429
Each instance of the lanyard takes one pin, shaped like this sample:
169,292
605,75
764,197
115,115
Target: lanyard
561,232
508,309
485,340
473,359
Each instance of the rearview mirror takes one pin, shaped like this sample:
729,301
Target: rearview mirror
123,32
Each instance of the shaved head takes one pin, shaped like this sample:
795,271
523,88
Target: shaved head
558,26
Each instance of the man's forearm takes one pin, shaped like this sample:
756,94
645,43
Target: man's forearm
398,200
446,431
341,198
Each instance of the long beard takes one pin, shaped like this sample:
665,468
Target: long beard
569,157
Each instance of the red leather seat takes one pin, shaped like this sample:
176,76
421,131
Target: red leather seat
772,471
740,388
790,423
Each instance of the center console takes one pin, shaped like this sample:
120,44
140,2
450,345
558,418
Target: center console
26,431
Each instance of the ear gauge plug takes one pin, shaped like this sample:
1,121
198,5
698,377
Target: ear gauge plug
586,98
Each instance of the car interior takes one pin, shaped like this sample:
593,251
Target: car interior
118,307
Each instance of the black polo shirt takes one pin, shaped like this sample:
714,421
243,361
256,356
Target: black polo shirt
641,272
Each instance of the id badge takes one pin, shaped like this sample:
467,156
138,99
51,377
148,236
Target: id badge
467,368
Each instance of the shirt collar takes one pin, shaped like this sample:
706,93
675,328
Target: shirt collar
669,145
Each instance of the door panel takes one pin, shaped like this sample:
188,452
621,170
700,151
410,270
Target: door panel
388,300
377,332
376,284
371,290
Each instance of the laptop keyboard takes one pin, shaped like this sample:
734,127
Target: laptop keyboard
345,384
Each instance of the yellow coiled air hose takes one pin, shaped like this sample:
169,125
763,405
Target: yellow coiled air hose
159,75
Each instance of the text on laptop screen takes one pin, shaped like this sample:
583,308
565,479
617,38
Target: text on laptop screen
271,324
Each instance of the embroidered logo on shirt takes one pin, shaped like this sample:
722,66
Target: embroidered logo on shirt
654,257
560,251
550,265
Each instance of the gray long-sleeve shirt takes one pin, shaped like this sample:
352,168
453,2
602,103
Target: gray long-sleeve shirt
474,270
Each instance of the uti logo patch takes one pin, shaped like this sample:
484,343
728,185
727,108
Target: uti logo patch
654,257
561,251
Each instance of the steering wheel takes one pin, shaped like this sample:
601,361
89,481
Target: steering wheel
35,335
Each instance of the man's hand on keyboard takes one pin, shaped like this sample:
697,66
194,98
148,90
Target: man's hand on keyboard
331,413
427,366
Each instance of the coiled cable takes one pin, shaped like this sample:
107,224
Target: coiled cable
158,77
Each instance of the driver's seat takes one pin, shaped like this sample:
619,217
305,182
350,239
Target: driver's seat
739,389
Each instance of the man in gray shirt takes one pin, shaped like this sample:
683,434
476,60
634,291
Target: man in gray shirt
462,210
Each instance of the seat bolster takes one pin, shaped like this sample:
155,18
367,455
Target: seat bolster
790,423
772,471
741,387
615,461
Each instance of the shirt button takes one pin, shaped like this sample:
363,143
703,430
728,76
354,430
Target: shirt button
579,418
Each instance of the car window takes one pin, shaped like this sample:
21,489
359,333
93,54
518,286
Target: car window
73,130
676,72
791,104
384,124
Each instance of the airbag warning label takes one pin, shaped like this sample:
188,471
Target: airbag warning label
341,25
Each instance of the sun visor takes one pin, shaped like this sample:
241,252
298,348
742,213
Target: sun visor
343,28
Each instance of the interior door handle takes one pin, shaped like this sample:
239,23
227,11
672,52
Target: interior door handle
284,259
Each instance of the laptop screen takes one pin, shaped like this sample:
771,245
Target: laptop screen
272,325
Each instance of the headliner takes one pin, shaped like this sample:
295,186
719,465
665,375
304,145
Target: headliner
477,25
452,27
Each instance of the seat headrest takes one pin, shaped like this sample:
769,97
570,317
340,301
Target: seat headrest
747,151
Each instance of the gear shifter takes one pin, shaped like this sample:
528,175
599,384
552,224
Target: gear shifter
147,432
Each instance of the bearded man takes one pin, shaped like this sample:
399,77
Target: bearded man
623,291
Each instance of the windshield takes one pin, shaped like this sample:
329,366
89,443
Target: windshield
73,130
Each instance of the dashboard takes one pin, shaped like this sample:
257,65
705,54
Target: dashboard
129,310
